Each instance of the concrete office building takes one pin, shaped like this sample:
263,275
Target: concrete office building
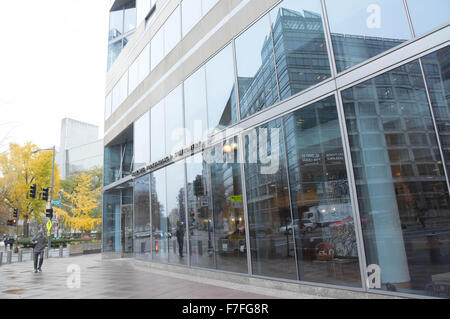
298,144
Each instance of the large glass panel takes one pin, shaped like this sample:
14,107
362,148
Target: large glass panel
108,105
159,216
427,15
362,29
172,31
120,92
140,68
437,73
142,229
195,106
208,5
221,90
402,191
111,222
127,161
157,48
157,128
112,164
272,248
176,214
114,50
191,11
300,46
227,207
256,68
142,141
323,220
115,24
174,124
130,17
201,233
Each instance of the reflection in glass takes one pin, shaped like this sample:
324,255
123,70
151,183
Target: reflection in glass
174,125
272,248
114,50
115,24
159,216
362,29
157,127
300,46
142,141
111,221
256,69
195,106
176,214
130,17
402,190
437,75
157,48
142,229
323,218
172,31
112,163
127,159
220,87
191,11
200,226
427,15
208,5
227,208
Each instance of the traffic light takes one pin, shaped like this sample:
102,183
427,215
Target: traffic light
45,194
16,213
49,213
14,222
33,189
9,223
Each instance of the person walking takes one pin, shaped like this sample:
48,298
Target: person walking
39,241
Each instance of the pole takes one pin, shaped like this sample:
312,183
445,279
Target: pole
51,193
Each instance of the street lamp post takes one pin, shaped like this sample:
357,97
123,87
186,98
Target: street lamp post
51,190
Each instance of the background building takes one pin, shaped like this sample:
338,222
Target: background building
80,148
299,141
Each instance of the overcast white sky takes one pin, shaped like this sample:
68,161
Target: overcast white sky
52,66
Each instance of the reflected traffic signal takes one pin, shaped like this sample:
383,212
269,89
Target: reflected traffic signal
45,194
33,189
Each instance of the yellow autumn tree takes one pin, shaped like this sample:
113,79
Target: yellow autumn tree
80,205
19,169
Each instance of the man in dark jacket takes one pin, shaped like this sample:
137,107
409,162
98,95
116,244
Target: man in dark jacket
39,241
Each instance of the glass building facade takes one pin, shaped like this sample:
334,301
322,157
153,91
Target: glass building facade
311,148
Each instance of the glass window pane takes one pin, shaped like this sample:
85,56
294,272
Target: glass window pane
362,29
427,15
323,217
157,127
112,164
114,50
142,235
111,222
201,235
172,31
300,46
115,24
143,8
208,5
133,75
272,248
142,141
127,151
144,63
256,69
176,214
157,48
130,17
221,90
174,126
437,75
195,106
402,191
191,11
159,217
108,105
227,208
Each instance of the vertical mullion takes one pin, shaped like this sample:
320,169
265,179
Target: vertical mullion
408,16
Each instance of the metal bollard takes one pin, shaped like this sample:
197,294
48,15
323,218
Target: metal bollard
46,253
9,257
1,258
20,255
61,249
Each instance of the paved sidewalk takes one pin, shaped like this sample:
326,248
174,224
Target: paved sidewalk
111,279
